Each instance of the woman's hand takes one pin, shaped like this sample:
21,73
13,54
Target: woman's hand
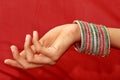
47,50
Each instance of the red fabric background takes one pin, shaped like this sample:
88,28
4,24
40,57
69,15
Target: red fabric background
19,17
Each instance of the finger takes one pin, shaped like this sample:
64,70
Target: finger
16,56
15,52
19,60
27,47
47,51
42,59
12,63
22,54
29,65
27,41
25,66
35,36
36,41
62,43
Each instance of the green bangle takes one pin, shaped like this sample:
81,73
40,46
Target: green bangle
97,39
107,41
92,39
83,41
80,46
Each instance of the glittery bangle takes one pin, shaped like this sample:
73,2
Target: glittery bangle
83,38
97,39
87,45
94,39
107,41
100,39
77,45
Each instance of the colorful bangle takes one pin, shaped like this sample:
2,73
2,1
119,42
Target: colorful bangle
94,39
81,49
106,40
87,45
101,39
97,40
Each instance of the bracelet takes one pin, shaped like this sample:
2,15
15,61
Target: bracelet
95,39
106,40
87,46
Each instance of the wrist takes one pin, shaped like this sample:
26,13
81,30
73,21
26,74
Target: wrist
76,31
73,32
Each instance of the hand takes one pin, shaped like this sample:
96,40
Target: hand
47,50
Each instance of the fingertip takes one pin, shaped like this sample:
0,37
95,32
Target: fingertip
13,47
14,51
28,36
6,61
35,32
13,63
27,41
35,35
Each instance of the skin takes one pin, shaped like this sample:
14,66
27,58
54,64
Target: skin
49,49
45,51
114,37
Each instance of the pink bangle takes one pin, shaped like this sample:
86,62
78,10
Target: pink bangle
94,39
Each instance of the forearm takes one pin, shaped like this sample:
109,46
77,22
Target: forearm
114,34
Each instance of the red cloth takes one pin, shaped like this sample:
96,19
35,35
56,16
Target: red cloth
19,17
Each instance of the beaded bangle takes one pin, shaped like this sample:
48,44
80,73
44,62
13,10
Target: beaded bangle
97,39
87,46
107,41
81,49
94,39
101,41
83,36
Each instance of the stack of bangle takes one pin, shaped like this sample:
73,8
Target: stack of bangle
94,39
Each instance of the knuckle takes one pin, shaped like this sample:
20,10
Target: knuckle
29,60
17,58
25,67
26,47
52,63
55,58
38,50
41,42
34,40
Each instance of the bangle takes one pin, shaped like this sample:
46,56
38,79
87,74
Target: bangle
81,49
94,39
87,45
97,39
106,41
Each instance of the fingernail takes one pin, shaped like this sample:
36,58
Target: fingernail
27,37
5,61
34,32
12,48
